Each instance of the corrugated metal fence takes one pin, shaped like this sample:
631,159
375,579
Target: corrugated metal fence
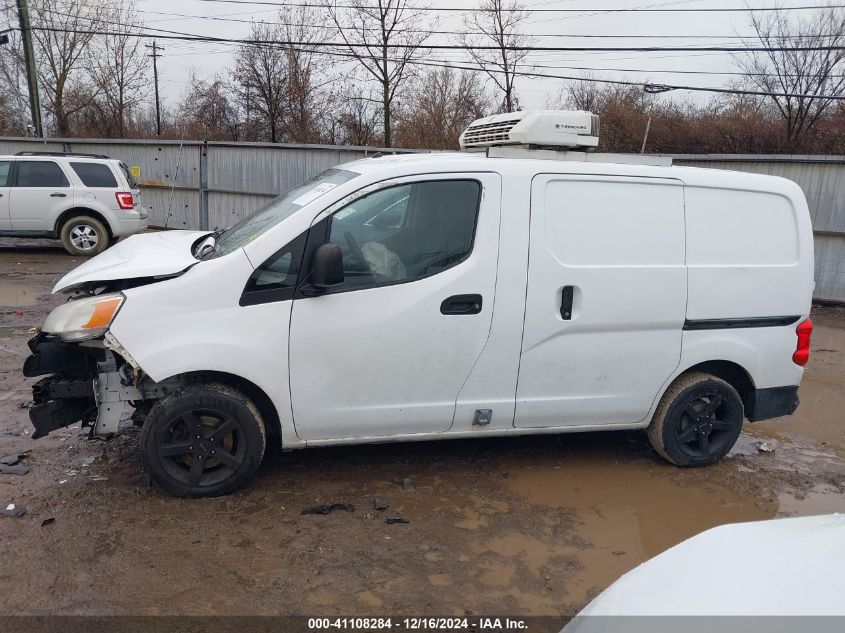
202,185
196,185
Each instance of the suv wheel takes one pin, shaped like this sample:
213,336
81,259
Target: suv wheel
84,235
202,441
697,421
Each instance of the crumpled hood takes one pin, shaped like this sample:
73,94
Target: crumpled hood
143,255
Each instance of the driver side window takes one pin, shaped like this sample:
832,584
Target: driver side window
406,232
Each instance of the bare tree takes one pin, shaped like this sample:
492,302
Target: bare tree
14,103
385,38
207,111
261,70
441,104
624,111
62,48
498,24
119,67
359,118
809,77
308,95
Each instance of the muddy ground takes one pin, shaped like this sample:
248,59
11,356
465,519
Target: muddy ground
521,526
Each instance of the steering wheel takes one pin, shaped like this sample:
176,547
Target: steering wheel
356,251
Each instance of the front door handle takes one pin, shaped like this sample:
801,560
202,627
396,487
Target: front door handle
461,304
58,195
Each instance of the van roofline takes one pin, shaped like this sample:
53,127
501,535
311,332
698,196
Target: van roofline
396,166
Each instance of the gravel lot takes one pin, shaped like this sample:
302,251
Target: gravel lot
521,526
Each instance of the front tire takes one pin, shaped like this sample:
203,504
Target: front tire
203,441
84,236
697,421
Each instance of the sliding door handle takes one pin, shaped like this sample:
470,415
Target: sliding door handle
566,296
461,304
58,195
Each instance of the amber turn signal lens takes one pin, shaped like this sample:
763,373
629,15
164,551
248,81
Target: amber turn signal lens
103,313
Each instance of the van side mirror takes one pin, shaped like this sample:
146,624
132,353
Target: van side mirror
327,266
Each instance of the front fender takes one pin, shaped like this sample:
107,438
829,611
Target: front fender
193,323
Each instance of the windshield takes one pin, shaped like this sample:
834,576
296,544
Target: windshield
278,209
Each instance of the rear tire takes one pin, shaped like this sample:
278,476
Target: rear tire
84,236
202,441
698,420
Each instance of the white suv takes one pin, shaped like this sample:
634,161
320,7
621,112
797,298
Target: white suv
86,200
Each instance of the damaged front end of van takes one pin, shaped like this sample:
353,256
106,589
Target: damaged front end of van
84,373
80,374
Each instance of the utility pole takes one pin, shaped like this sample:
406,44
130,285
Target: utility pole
155,55
31,71
645,138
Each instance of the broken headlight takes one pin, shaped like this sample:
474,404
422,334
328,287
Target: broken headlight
84,318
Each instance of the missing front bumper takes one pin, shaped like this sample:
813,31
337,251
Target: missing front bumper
56,414
66,395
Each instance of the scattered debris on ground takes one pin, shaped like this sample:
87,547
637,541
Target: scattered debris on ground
14,510
10,460
17,469
327,508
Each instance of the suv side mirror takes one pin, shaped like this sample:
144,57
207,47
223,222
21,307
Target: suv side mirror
327,266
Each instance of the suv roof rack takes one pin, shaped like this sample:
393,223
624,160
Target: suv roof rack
72,154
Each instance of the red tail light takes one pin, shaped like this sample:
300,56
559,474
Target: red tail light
124,200
802,352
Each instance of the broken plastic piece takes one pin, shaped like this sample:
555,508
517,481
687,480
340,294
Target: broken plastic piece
13,510
326,508
17,469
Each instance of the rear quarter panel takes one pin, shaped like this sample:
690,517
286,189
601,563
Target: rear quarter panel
749,254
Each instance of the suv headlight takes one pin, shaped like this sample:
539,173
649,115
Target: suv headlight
85,318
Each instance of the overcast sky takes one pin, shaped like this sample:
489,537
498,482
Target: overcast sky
207,59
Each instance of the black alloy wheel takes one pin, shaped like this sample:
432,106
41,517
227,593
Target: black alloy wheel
697,421
202,441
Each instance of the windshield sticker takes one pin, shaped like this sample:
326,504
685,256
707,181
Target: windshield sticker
314,193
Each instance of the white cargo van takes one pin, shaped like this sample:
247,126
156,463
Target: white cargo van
503,292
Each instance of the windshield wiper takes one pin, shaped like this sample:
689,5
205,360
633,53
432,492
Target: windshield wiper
207,247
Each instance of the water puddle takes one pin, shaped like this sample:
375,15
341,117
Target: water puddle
822,499
623,513
16,296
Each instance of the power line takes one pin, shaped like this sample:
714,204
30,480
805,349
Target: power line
477,10
226,18
169,34
312,48
347,45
